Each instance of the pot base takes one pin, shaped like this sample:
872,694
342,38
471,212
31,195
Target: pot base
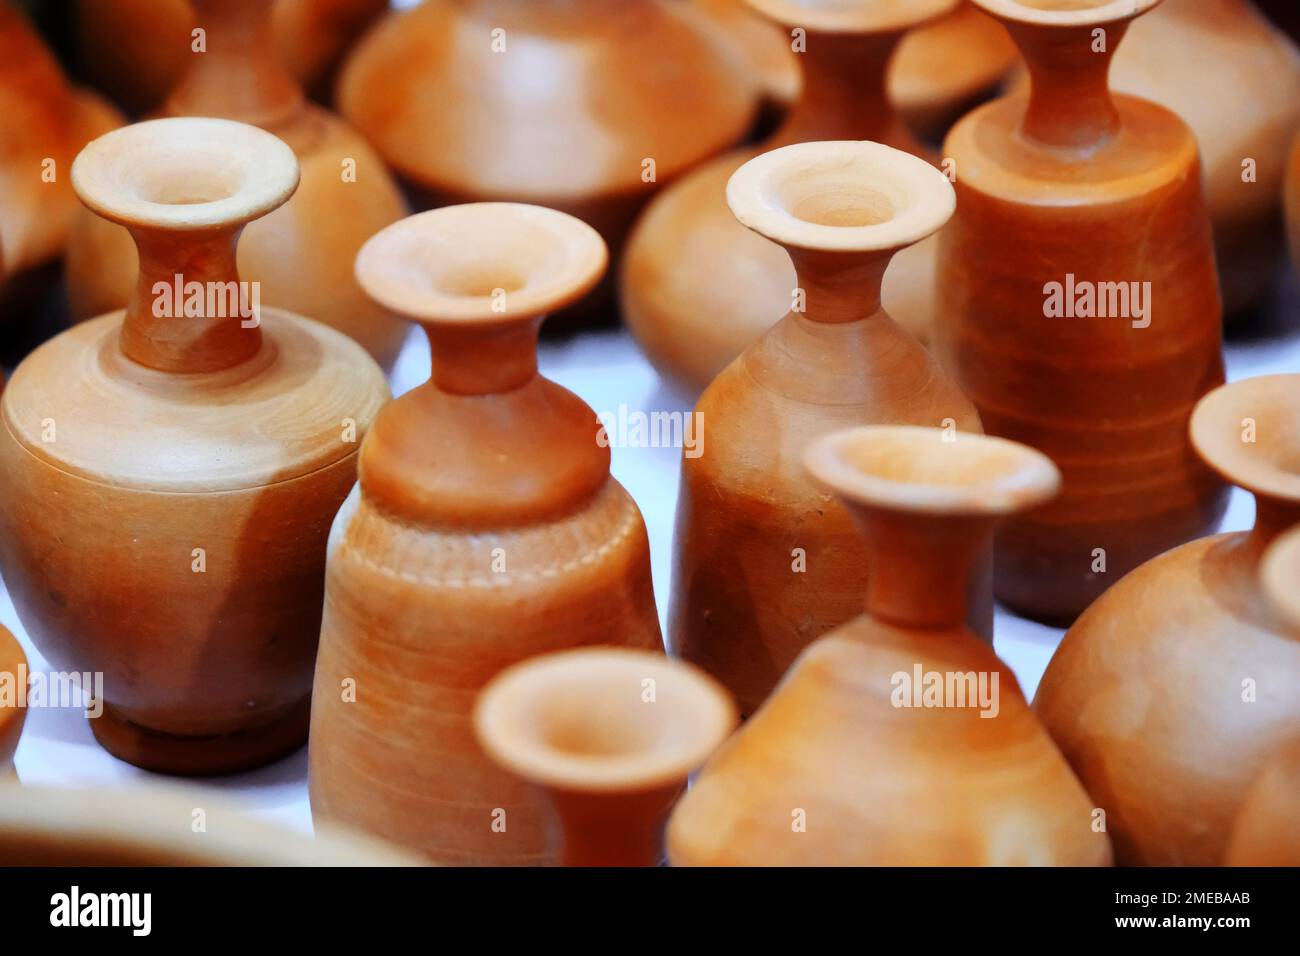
205,754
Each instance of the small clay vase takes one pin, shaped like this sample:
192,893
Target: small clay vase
609,735
1243,108
850,762
1069,196
1172,691
486,529
13,701
169,473
697,288
764,560
636,93
46,122
302,253
137,50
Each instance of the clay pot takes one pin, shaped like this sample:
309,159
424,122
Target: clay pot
138,49
696,287
845,764
1244,106
13,705
301,254
764,560
1193,631
46,122
609,735
486,529
1038,233
463,118
169,481
155,826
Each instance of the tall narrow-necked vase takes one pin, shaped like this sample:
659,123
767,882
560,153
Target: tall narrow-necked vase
1080,306
485,529
609,735
900,739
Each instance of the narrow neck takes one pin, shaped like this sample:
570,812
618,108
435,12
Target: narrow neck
840,286
189,312
239,75
919,566
844,90
615,829
474,360
1070,103
1274,517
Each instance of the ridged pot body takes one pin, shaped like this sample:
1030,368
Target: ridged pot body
1169,696
196,595
1107,398
764,561
419,619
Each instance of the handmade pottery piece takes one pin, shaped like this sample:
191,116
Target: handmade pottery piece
1243,111
696,287
764,561
13,700
302,253
1079,307
1192,630
855,760
609,735
137,50
486,529
169,473
46,122
154,826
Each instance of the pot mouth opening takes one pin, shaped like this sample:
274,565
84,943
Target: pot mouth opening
841,196
1066,13
481,263
602,719
1249,432
932,470
853,16
185,173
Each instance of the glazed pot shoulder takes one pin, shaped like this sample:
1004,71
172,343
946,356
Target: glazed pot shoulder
303,403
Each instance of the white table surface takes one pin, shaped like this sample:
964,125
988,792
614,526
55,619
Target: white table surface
606,370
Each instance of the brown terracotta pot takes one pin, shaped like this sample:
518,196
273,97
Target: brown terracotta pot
46,122
463,117
158,826
169,481
609,735
1038,232
302,254
486,529
1235,79
13,703
696,288
1170,693
764,561
846,764
137,50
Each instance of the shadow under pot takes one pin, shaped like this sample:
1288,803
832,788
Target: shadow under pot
485,529
169,472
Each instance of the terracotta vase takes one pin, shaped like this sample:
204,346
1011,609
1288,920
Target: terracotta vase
852,761
1171,692
301,254
155,826
765,561
1080,310
486,529
13,700
46,122
609,735
449,94
137,50
170,472
697,288
1235,80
